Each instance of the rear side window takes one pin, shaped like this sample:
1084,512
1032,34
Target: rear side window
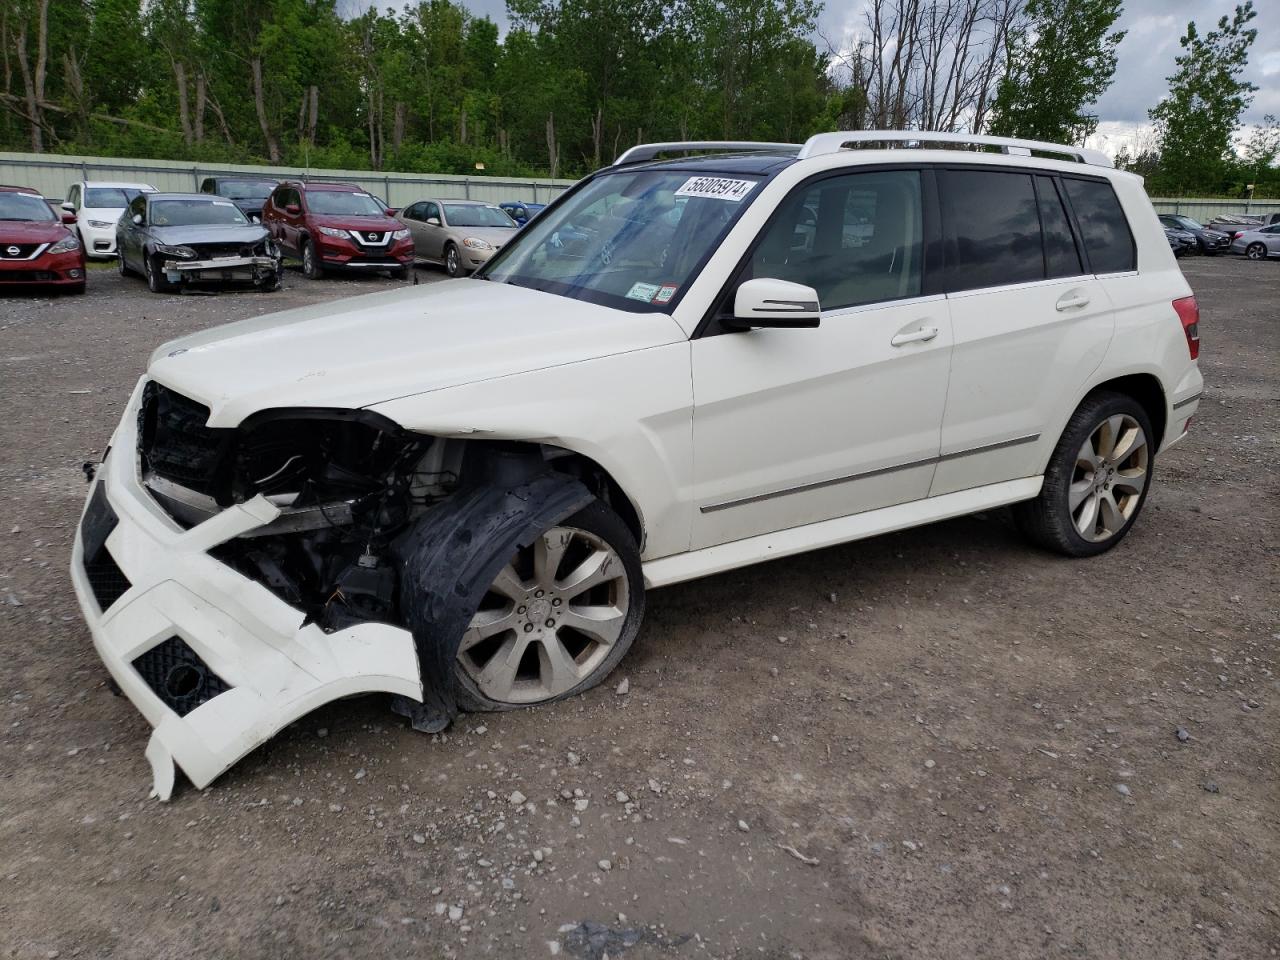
1102,222
1061,258
993,229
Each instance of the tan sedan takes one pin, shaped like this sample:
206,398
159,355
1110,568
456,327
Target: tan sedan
458,235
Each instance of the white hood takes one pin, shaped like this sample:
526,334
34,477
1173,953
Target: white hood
370,349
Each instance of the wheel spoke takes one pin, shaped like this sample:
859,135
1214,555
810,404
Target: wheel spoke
1108,434
598,568
1087,457
487,623
1130,441
559,671
509,584
1087,518
1109,515
1077,492
1131,481
548,551
602,623
499,674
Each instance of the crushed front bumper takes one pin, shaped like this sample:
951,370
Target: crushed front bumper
222,268
214,661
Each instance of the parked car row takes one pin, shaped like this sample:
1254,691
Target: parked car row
241,228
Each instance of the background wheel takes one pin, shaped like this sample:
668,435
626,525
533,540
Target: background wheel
1097,480
269,284
452,262
121,267
156,282
311,268
558,618
1256,251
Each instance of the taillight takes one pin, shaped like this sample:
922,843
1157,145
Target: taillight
1189,313
1237,235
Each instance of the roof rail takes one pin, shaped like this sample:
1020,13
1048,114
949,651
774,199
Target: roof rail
647,151
823,143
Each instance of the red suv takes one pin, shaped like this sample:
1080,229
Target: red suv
35,248
336,225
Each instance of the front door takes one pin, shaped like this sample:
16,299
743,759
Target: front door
803,425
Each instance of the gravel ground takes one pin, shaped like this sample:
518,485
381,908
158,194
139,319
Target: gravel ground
940,743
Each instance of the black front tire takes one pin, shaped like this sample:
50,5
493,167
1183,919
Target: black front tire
1047,520
121,266
156,281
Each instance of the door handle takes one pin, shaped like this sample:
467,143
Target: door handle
922,335
1071,301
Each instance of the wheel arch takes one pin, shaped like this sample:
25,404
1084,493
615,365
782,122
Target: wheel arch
1145,388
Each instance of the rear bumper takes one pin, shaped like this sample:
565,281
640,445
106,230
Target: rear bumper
263,667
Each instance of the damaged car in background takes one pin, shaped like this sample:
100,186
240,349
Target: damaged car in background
173,239
459,494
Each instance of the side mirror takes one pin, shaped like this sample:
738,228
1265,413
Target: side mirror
293,209
391,211
137,218
68,218
434,221
766,302
68,205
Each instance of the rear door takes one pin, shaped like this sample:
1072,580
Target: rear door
1031,321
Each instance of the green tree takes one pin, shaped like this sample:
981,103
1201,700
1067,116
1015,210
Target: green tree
1058,67
1196,121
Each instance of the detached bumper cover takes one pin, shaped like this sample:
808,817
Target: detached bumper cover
218,268
214,661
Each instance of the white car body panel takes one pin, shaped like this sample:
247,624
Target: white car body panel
100,242
731,449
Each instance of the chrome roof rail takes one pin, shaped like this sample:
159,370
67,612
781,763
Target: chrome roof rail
648,151
824,143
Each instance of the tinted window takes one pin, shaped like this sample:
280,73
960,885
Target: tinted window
138,207
855,239
993,228
413,211
1061,258
431,211
1106,232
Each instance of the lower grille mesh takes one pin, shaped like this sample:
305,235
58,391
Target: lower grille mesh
176,674
106,579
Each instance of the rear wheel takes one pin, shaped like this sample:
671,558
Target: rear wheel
311,267
1256,251
558,617
1097,480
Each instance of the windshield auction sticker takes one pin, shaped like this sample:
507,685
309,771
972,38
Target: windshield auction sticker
643,291
716,188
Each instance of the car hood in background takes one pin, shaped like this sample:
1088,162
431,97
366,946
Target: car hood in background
210,233
494,235
31,231
366,350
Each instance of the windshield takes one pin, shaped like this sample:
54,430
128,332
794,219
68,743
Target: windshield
474,215
342,203
188,213
245,189
632,240
109,197
1190,224
23,206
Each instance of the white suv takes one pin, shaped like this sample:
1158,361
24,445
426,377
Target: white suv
98,205
460,493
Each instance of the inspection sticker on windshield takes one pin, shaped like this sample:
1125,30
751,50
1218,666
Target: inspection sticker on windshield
642,291
665,293
716,188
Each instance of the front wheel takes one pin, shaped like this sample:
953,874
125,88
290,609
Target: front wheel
1256,251
156,281
121,266
558,617
452,262
311,268
1097,480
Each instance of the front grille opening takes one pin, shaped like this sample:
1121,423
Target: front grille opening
176,674
106,579
176,444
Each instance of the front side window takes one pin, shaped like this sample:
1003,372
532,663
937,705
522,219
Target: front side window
188,213
615,242
431,210
342,203
856,239
1102,222
992,228
23,206
476,215
413,211
138,207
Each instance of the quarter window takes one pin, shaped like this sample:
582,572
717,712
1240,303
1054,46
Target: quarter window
993,228
1061,258
856,239
1103,225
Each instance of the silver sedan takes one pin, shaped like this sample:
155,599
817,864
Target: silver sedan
459,235
1258,244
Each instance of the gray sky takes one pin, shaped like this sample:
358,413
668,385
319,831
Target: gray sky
1144,59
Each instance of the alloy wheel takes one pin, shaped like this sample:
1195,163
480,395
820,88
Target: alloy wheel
1111,472
550,618
1256,251
451,261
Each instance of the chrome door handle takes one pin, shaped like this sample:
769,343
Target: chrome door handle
922,335
1071,301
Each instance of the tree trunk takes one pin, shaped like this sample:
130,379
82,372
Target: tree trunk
397,125
28,85
313,120
202,96
260,105
184,109
597,133
553,148
462,126
222,122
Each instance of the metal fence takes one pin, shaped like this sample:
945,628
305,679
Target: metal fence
52,175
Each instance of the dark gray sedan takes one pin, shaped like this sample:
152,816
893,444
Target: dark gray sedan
1209,242
177,238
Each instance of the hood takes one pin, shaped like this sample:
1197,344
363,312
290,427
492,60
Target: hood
372,222
210,233
366,350
31,231
498,236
